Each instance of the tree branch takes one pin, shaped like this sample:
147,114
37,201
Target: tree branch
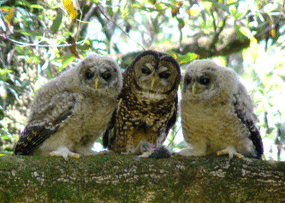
126,178
227,42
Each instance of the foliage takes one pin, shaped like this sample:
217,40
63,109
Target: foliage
39,38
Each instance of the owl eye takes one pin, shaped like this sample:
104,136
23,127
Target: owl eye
106,76
164,75
204,80
89,74
146,71
188,81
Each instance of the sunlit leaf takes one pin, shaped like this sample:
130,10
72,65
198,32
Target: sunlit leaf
68,58
5,137
272,32
69,7
125,12
160,8
56,23
175,10
3,91
110,11
5,71
152,1
10,15
239,32
37,6
182,59
29,33
193,12
253,48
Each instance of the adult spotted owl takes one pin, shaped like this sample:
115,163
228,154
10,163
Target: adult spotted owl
148,105
71,111
217,113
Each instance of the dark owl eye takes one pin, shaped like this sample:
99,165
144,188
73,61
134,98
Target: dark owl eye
106,76
164,75
89,74
204,80
146,71
188,81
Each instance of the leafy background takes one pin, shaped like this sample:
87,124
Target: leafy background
40,38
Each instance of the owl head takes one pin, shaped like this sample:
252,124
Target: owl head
204,80
96,74
153,72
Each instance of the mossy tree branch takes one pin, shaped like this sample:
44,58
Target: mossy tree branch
126,178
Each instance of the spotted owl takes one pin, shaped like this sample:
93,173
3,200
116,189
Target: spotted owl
217,113
147,107
71,111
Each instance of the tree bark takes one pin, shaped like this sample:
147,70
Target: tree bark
127,178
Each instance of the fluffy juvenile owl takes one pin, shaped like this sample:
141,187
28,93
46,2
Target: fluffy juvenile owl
71,111
147,107
217,113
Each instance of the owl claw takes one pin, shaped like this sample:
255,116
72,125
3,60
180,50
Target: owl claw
231,151
65,153
146,154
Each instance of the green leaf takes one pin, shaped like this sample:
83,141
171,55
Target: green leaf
125,12
56,23
84,47
29,33
151,1
5,137
186,58
69,58
5,71
240,34
110,11
37,6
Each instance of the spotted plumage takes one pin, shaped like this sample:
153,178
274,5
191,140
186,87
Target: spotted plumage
71,111
217,113
148,104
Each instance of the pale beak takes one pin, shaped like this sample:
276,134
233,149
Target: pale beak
152,82
196,88
97,82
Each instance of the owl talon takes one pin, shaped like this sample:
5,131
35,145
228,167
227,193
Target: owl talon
231,151
146,154
65,153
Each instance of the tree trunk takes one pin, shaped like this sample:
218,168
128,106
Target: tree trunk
127,178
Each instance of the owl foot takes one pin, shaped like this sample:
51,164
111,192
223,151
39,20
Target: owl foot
231,151
158,153
146,154
65,153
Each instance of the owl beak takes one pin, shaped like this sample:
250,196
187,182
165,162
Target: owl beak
97,82
152,82
196,88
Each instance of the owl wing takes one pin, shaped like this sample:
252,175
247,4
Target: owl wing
172,120
244,110
109,135
45,123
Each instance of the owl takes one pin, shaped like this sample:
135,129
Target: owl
71,111
217,113
147,106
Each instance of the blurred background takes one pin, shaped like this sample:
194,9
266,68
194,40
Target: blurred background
41,38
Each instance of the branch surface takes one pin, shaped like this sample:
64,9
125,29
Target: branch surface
127,178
